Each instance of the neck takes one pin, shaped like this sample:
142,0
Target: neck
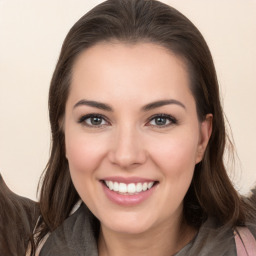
163,240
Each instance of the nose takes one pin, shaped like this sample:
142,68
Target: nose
127,149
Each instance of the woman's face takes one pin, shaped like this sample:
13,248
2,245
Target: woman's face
132,135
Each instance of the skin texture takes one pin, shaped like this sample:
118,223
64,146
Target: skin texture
129,143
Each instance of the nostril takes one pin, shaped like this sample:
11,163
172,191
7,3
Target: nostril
126,158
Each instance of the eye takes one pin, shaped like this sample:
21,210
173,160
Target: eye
93,120
162,120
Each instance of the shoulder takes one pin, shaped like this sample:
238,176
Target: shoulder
76,236
216,239
211,240
245,241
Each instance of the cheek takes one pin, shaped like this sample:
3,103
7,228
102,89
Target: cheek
84,153
176,160
176,155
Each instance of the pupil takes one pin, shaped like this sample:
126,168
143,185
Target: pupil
161,121
96,120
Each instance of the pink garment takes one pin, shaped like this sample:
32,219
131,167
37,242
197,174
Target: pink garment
245,242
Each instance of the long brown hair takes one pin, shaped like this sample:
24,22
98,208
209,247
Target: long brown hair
18,216
133,21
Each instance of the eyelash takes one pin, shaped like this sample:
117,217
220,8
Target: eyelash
83,119
172,120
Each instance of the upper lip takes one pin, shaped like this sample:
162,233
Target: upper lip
127,180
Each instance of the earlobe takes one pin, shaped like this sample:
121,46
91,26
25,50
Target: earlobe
205,134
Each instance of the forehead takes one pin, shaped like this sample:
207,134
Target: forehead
113,68
128,54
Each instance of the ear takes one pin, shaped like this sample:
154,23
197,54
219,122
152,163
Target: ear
205,134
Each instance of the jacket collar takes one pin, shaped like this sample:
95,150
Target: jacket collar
76,236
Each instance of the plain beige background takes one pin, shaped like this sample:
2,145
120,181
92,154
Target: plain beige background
31,34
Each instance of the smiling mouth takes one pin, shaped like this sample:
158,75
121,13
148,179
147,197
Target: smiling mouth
130,188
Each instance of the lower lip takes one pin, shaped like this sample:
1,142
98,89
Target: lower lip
128,200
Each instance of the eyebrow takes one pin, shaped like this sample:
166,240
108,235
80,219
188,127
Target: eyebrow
150,106
160,103
94,104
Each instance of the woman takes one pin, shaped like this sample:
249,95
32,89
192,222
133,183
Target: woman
138,135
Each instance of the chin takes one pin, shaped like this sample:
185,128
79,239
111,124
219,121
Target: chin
128,224
129,229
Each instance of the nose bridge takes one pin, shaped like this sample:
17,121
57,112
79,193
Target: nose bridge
127,147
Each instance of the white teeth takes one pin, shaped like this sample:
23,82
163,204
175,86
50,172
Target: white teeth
131,188
145,186
139,187
122,188
116,186
150,184
111,185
